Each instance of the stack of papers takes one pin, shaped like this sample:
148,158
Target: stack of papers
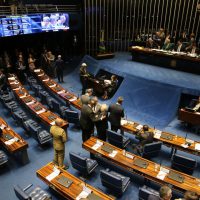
73,99
41,111
157,134
54,85
11,141
139,127
185,145
52,123
123,122
129,155
55,173
97,145
197,146
162,173
84,194
113,154
36,70
2,126
60,92
11,78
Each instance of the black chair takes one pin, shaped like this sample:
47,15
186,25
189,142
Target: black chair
145,191
114,181
117,139
151,149
35,194
7,97
19,116
84,165
36,89
56,106
12,106
183,164
45,98
3,158
71,116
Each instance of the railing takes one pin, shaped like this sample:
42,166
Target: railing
39,8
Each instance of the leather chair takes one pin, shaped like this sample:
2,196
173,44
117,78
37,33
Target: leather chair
35,194
84,165
183,164
7,97
20,116
56,106
145,191
117,139
3,158
114,181
12,106
36,89
45,98
151,149
71,116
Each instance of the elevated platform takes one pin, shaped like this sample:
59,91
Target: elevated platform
151,93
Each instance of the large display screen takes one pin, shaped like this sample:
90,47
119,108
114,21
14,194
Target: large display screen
27,24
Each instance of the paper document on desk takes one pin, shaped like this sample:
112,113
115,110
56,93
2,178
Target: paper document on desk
185,145
123,122
52,123
55,173
45,79
11,141
84,194
36,70
97,145
113,154
31,102
21,97
11,78
129,155
41,111
54,85
139,127
161,175
197,146
73,99
2,126
157,134
40,74
16,89
60,92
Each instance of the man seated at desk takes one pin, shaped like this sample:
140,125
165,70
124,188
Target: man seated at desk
110,86
193,49
151,44
195,104
179,47
168,46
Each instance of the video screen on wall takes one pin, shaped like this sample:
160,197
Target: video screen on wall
27,24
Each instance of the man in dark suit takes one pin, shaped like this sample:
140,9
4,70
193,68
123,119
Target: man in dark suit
87,119
59,64
86,97
116,113
165,193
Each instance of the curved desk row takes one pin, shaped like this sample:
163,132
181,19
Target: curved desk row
76,188
36,108
13,142
171,140
143,167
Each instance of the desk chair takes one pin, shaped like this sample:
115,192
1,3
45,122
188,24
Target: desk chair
84,165
7,97
151,149
56,106
145,191
117,139
35,194
3,158
71,116
36,89
19,116
12,106
114,181
45,98
183,164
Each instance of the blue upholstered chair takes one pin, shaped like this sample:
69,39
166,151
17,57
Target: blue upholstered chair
19,116
35,194
12,106
57,107
117,139
3,158
114,181
7,97
84,165
183,164
151,149
36,89
71,116
145,191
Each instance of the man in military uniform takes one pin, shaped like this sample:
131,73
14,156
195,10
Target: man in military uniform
59,139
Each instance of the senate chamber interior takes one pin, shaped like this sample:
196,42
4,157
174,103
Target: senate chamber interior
100,99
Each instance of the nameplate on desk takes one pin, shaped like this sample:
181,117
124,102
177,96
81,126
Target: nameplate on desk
166,136
140,163
64,181
107,148
97,145
176,177
60,92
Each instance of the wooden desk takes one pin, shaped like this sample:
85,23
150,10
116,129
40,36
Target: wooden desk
173,60
16,145
73,190
175,142
40,111
190,183
189,117
57,89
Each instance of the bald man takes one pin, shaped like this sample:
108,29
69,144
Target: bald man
59,139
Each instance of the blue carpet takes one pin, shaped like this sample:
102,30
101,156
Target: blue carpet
150,97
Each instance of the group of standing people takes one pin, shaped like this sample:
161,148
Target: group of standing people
96,115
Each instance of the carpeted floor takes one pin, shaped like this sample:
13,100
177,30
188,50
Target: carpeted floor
151,96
